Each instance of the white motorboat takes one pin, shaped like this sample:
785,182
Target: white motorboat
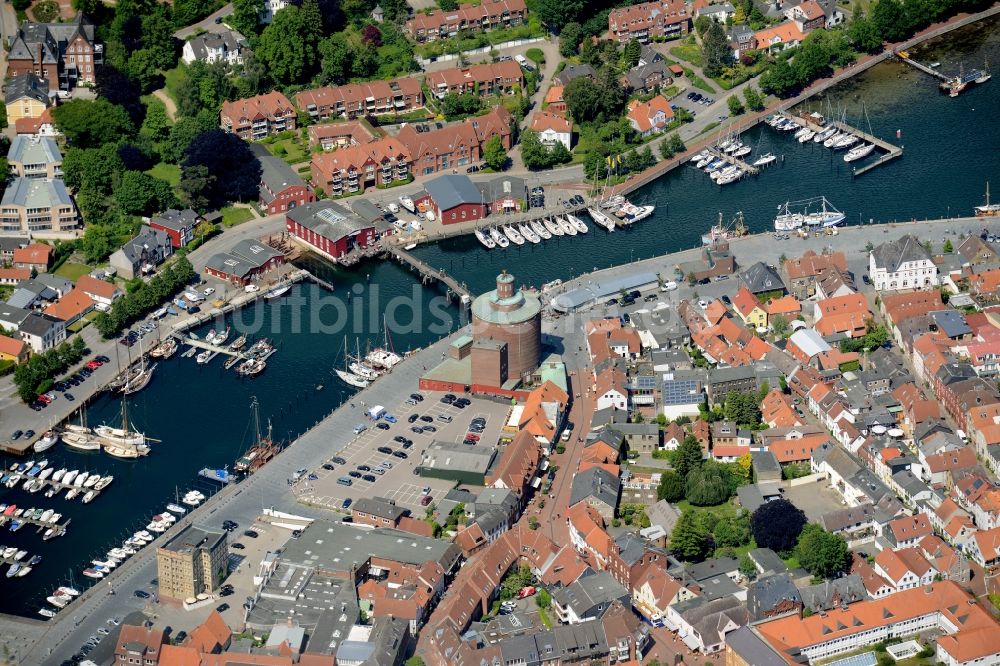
9,552
729,170
715,166
72,493
528,234
846,141
68,479
805,138
46,516
515,237
860,152
24,570
59,474
89,573
194,501
540,229
764,160
204,357
553,227
577,223
89,483
91,494
58,602
407,203
497,236
731,177
800,132
80,480
104,482
47,441
45,612
566,226
19,555
69,591
46,473
175,508
704,161
630,212
487,242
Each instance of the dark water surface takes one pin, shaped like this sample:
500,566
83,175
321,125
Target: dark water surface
201,413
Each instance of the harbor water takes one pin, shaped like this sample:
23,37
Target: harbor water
201,412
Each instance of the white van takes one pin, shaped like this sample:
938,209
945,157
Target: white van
521,60
669,286
567,433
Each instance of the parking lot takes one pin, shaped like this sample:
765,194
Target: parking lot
399,480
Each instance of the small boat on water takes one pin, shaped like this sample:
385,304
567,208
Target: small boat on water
824,134
89,573
846,141
566,226
46,441
833,139
764,160
497,237
859,152
177,509
553,227
483,238
58,602
220,338
743,151
276,292
730,177
45,612
794,214
807,136
540,230
528,234
602,219
515,237
204,357
577,223
69,591
239,343
632,213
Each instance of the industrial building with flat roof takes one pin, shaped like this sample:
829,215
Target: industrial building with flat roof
193,562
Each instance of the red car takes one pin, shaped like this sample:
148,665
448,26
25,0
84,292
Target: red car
44,398
526,592
473,436
94,365
425,500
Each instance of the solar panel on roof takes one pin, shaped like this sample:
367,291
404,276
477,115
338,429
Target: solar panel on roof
866,659
329,215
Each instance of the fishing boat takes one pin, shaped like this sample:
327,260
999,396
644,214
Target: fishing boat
577,223
221,337
764,160
263,449
988,209
794,214
540,230
601,219
632,213
407,203
553,227
483,238
528,233
497,237
272,294
46,441
513,235
566,226
239,343
860,152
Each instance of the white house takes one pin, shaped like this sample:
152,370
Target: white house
42,332
227,46
652,117
901,264
904,569
610,390
553,128
270,8
719,13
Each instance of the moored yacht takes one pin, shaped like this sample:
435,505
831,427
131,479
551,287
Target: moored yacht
497,236
577,223
859,152
540,229
553,227
515,237
487,242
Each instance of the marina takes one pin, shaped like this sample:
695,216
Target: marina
849,136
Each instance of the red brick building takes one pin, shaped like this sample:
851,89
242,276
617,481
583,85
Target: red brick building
355,168
456,145
453,199
256,117
649,20
178,224
497,78
486,16
329,228
245,262
281,189
362,99
64,54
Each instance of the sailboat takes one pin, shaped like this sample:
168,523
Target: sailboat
540,229
483,238
383,357
346,375
263,449
80,437
123,442
553,227
988,209
497,237
577,223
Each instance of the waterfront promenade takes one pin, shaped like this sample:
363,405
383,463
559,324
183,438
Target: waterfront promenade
53,641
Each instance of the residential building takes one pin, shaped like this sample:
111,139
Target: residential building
553,128
245,262
572,71
650,74
750,310
720,12
904,568
907,531
43,125
941,607
455,145
36,257
599,489
650,20
330,136
139,645
64,54
652,117
489,15
193,562
177,224
773,596
377,512
256,117
355,100
554,102
42,332
270,8
102,292
26,97
518,465
842,315
227,46
355,168
71,307
281,188
779,37
588,598
453,199
761,278
500,78
13,349
744,647
901,264
741,40
703,624
35,157
807,16
329,228
803,272
142,254
38,206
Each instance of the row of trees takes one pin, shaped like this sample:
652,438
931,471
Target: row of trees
144,297
36,375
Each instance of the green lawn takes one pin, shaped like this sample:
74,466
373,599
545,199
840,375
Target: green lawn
690,53
292,151
697,81
545,618
72,271
231,216
168,172
725,510
172,79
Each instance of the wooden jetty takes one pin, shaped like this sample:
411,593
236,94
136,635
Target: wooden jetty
905,57
429,274
201,344
734,161
891,151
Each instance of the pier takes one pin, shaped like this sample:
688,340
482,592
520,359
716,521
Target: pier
428,273
58,530
891,151
905,57
201,344
734,161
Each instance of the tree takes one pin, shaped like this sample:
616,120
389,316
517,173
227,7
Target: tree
454,106
747,567
779,324
822,554
863,34
947,248
687,541
732,532
702,24
735,105
557,13
716,50
569,39
138,193
448,5
888,19
246,16
225,154
779,79
589,100
288,46
813,58
632,53
92,169
494,154
743,408
777,525
90,123
671,487
156,124
688,456
708,485
753,98
194,186
415,660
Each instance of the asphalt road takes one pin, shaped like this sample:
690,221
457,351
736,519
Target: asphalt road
208,24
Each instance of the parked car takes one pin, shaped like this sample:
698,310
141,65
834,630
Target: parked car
425,500
346,503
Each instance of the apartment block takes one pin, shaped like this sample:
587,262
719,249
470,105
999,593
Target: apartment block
362,99
256,117
193,562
